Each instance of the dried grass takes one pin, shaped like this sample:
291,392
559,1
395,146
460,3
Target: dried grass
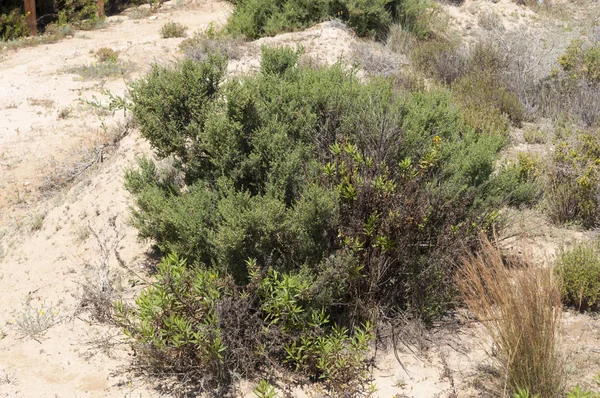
521,310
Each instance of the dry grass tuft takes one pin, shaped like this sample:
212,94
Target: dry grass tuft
521,310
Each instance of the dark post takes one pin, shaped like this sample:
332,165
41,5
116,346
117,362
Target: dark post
30,17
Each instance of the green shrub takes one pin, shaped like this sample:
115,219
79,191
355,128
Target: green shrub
583,61
315,200
488,103
518,183
13,25
173,29
579,271
197,321
258,18
574,177
81,14
105,54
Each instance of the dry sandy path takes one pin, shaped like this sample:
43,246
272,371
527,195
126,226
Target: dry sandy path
43,269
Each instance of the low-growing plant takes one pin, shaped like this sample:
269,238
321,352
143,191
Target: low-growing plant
106,54
173,29
578,392
534,136
579,271
103,70
34,320
211,41
38,221
264,390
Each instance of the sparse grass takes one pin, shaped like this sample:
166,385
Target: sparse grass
489,20
211,41
521,310
373,59
173,29
82,233
534,136
83,157
52,34
7,377
37,221
100,289
41,102
103,70
34,320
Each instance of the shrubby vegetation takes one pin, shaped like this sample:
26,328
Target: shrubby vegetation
173,29
573,178
257,18
12,24
574,89
579,271
54,15
299,204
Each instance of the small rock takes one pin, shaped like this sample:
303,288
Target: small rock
153,17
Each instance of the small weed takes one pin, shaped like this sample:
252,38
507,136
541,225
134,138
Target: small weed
106,54
173,29
83,233
35,320
65,112
534,136
577,392
264,390
38,221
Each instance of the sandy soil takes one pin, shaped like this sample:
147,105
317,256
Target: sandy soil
52,241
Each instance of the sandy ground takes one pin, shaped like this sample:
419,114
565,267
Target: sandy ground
52,241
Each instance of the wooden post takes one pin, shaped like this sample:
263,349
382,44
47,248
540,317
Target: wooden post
100,5
30,17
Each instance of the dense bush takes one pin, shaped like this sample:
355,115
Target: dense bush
477,78
13,25
572,193
315,202
257,18
579,271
